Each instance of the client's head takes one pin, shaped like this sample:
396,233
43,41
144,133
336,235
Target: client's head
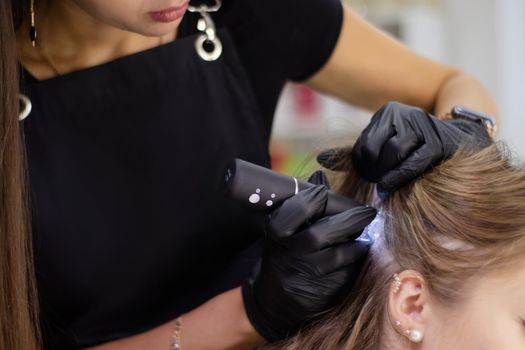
447,270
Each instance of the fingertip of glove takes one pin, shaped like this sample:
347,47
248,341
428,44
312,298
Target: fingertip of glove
384,189
332,158
383,194
362,220
319,178
355,219
395,180
326,157
368,213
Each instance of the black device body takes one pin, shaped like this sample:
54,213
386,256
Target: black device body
263,189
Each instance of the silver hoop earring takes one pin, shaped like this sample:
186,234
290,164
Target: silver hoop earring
208,44
32,27
27,107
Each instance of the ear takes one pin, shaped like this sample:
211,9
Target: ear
409,305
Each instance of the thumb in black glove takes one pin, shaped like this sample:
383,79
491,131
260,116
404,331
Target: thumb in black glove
309,263
402,142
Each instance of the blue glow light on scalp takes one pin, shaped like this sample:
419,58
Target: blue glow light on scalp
375,230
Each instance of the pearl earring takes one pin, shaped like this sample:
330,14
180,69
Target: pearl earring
415,336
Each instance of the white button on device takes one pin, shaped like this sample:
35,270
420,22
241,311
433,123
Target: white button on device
255,198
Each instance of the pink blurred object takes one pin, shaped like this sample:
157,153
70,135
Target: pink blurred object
306,103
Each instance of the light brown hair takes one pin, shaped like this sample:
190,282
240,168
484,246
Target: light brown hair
18,330
460,221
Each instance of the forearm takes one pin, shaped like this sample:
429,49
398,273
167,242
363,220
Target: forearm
368,68
219,324
462,89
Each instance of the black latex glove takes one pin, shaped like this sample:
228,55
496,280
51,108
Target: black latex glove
402,142
309,262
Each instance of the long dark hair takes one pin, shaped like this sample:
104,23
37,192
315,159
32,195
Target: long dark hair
18,303
20,11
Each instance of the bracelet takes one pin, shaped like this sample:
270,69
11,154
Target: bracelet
175,344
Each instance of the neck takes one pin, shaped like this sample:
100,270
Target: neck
75,39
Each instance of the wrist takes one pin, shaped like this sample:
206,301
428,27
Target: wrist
247,325
220,323
255,315
469,115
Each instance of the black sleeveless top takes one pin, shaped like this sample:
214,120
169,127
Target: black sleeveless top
130,226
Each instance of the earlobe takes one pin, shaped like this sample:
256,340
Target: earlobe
409,305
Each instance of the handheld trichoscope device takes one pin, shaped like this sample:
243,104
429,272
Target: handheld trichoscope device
263,189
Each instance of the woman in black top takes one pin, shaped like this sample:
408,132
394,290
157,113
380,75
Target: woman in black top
133,121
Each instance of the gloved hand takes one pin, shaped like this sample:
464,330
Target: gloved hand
309,262
402,142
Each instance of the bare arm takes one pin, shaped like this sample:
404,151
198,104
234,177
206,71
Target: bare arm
369,68
219,324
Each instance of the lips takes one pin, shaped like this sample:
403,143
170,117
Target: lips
170,14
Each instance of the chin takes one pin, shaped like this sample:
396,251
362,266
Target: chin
155,29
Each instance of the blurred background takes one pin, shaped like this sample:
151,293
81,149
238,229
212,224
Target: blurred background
485,38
